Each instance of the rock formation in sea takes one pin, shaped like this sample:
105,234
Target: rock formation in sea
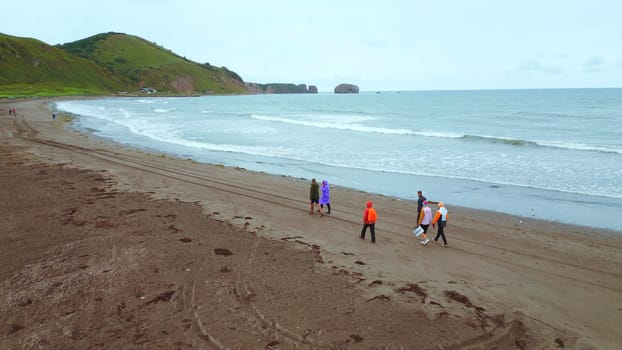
346,89
312,89
277,88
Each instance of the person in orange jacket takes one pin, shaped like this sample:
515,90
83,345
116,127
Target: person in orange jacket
369,220
441,219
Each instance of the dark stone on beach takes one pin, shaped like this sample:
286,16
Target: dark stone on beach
222,251
272,344
357,338
346,89
166,296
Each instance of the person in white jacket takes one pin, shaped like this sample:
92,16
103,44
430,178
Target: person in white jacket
441,219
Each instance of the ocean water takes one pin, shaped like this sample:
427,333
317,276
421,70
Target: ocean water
546,154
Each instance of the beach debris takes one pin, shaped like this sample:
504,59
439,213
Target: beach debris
185,240
129,212
105,222
375,282
24,302
455,296
272,344
413,287
358,262
286,239
560,343
222,251
381,297
14,328
165,296
357,338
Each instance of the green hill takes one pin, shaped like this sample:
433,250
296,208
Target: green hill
31,67
144,64
104,64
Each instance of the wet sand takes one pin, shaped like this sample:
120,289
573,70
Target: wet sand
103,246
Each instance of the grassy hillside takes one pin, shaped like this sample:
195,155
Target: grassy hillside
141,63
31,67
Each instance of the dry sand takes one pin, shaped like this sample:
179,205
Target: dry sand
108,247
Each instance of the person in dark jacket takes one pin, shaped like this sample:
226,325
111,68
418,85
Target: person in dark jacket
421,198
314,197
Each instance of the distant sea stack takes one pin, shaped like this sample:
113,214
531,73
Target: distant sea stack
312,89
346,89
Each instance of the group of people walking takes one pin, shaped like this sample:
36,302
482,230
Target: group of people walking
319,201
425,219
320,197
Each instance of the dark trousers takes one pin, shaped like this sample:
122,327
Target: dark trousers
441,231
372,229
327,206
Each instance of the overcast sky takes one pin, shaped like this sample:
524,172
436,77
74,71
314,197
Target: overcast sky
378,45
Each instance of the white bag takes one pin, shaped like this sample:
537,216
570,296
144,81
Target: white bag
418,231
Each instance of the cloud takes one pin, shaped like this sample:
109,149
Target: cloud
539,66
595,64
594,61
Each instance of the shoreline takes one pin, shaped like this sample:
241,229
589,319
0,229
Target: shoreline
525,202
522,271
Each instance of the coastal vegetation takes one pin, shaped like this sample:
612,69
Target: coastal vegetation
33,68
106,63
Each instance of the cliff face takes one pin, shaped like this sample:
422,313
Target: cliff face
346,89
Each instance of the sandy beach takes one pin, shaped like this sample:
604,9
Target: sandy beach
104,246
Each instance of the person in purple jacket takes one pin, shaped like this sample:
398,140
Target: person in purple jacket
325,197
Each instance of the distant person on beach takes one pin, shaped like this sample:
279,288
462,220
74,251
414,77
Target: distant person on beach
14,113
10,111
420,199
53,116
425,219
441,219
325,197
369,220
314,197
